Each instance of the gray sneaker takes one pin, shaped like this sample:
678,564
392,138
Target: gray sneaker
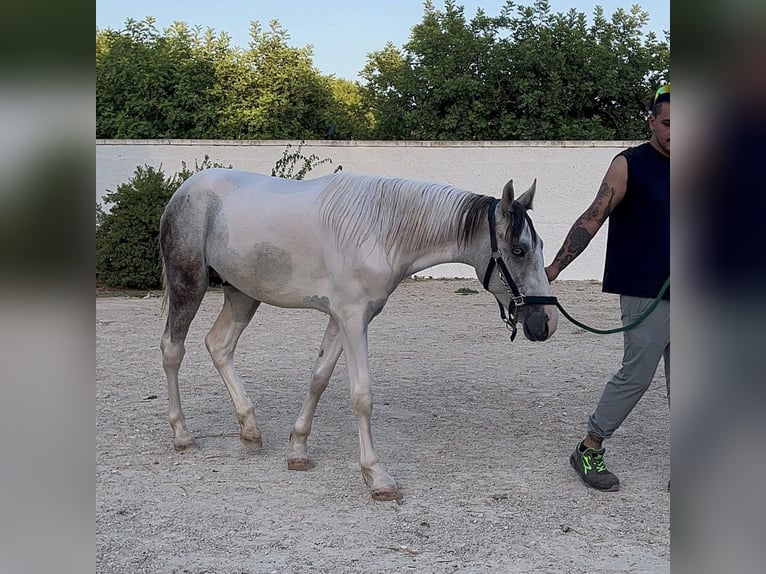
591,468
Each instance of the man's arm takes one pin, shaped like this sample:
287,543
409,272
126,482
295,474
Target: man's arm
609,195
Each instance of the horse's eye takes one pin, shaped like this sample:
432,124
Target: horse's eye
517,251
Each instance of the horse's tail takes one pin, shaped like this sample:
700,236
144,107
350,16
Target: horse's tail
164,305
163,260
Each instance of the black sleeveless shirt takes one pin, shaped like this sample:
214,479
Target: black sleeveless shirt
638,244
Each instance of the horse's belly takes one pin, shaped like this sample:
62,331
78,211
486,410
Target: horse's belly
273,273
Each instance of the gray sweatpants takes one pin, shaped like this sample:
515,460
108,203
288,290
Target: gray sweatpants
644,345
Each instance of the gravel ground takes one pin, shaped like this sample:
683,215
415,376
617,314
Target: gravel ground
477,431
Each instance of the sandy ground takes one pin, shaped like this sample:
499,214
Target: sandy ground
477,431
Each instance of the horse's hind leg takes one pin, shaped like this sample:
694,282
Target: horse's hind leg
185,293
329,352
221,342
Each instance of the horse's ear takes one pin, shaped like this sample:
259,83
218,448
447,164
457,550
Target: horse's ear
526,198
507,202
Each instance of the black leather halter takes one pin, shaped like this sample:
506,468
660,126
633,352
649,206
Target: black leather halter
518,299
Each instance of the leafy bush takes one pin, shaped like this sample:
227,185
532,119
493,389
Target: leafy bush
284,167
127,235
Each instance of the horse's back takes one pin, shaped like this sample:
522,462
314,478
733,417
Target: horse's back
229,185
277,240
219,197
256,232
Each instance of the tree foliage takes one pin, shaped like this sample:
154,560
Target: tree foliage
151,85
527,73
183,83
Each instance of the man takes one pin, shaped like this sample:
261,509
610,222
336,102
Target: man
635,196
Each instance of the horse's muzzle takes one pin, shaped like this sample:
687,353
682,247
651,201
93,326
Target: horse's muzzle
536,326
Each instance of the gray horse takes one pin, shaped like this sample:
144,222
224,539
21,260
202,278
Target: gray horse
339,244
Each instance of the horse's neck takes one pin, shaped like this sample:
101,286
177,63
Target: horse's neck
474,253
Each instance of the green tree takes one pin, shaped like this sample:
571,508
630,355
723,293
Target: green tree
152,85
273,90
526,74
455,75
389,92
351,117
578,82
186,83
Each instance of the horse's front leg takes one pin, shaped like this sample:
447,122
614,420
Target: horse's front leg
329,352
354,334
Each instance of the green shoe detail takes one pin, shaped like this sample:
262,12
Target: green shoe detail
592,469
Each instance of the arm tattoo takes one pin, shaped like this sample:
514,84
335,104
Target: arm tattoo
601,207
579,236
576,242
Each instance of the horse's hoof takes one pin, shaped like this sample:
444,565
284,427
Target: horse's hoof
185,444
252,444
299,464
386,494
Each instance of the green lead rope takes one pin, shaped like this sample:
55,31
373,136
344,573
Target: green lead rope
638,320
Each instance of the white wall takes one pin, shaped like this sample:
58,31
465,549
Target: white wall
568,174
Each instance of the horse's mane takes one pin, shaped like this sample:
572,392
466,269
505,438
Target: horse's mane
402,215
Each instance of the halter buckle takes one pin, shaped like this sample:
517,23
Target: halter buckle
518,300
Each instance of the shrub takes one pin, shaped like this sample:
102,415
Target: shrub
127,236
285,166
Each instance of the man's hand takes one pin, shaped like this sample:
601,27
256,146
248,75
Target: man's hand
552,273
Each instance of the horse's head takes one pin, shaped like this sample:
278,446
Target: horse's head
515,273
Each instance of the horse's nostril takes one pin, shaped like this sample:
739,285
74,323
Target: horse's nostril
536,327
